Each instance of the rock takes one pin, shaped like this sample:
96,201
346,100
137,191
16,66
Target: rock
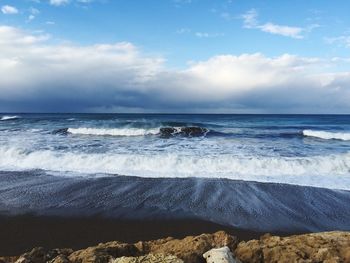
319,247
41,255
63,131
104,253
8,259
219,255
325,247
194,131
189,249
155,258
60,259
183,131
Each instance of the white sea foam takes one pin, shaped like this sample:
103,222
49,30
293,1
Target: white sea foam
6,118
113,131
345,136
323,171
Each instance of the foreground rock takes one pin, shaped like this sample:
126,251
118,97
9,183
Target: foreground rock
189,249
329,247
170,250
150,258
220,255
38,255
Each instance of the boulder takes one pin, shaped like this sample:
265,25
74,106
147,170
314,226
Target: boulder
104,253
183,131
319,247
62,131
192,248
150,258
41,255
219,255
8,259
189,249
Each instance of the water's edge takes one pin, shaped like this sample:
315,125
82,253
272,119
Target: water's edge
255,206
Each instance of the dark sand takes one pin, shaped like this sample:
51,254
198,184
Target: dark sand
77,212
22,233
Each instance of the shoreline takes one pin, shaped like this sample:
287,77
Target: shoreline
38,209
260,207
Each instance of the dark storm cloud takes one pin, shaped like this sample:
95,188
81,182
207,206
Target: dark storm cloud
39,76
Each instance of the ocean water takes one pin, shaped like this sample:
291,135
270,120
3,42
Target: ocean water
308,150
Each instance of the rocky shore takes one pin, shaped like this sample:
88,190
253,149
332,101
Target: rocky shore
325,247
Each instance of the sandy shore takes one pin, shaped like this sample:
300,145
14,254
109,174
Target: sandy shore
37,209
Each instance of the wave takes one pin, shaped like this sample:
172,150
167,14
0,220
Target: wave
162,131
345,136
113,131
7,118
323,171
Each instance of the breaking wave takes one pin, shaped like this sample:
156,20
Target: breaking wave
113,132
162,131
345,136
324,171
6,118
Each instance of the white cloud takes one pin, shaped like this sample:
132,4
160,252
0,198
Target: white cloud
250,20
39,75
31,17
287,31
340,40
33,13
183,31
65,2
9,10
208,35
59,2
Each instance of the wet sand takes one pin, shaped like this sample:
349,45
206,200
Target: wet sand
37,209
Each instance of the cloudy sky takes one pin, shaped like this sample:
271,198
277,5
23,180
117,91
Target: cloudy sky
212,56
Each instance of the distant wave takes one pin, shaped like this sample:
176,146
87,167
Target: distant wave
6,118
113,131
345,136
162,131
325,171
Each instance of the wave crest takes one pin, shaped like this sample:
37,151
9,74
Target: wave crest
162,131
344,136
7,118
113,131
323,171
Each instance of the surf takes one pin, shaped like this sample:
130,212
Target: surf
325,135
321,171
7,118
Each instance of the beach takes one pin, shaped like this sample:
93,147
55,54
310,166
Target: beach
54,211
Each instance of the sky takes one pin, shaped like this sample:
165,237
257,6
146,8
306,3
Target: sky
200,56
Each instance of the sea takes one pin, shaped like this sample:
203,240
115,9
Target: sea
261,172
310,150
